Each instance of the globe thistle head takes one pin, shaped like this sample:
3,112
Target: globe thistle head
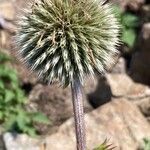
67,39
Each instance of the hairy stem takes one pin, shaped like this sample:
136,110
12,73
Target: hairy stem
79,114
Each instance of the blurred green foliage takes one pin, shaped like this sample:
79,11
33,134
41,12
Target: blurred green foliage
146,144
13,115
129,23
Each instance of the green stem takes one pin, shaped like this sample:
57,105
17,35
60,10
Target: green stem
79,114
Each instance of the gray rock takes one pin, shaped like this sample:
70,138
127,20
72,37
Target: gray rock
20,142
144,105
120,121
55,102
117,85
123,86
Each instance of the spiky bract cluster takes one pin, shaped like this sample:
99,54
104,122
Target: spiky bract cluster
67,39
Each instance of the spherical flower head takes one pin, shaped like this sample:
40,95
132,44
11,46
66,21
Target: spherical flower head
66,39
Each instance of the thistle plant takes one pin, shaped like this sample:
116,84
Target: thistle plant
66,41
105,146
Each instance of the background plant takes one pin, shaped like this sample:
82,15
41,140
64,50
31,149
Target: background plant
130,23
13,115
105,146
146,145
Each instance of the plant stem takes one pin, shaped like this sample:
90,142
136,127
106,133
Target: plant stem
77,98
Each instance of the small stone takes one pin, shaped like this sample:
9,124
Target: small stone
7,10
20,142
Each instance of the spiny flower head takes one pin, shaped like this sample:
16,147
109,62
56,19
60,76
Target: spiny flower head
67,39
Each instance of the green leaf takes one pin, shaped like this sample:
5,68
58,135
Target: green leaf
13,114
105,146
1,95
101,147
117,11
30,131
146,144
22,119
9,96
1,115
40,118
130,21
12,76
20,97
4,57
128,37
10,122
1,84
